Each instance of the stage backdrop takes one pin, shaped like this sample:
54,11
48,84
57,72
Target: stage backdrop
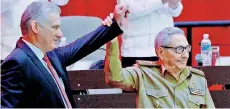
194,10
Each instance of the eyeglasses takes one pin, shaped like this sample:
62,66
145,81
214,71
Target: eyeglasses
180,49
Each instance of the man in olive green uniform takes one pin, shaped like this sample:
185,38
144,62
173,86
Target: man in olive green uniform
167,83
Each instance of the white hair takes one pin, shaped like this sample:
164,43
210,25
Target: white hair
162,38
34,11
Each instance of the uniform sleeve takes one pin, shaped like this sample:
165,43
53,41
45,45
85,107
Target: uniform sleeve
175,12
208,98
138,8
125,78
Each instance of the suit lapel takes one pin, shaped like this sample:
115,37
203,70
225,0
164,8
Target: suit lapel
54,59
40,66
58,67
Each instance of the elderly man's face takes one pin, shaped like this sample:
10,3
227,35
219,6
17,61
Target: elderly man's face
50,32
175,59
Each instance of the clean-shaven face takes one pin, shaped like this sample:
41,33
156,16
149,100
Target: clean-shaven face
49,31
173,60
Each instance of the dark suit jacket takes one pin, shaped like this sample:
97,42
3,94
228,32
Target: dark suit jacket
27,83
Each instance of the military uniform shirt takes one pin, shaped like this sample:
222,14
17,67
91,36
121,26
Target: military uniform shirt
156,89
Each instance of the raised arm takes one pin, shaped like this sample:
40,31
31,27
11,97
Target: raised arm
125,78
87,44
175,10
94,40
139,8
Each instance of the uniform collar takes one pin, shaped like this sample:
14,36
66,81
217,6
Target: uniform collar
163,69
184,74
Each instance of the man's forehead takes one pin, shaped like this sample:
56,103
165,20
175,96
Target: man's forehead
54,18
177,40
50,19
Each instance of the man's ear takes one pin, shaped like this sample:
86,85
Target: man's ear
34,26
160,52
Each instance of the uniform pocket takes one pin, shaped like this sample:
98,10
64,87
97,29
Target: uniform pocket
158,97
194,101
157,93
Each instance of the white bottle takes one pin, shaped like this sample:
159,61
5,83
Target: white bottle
206,50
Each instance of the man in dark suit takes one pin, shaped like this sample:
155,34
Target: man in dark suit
34,75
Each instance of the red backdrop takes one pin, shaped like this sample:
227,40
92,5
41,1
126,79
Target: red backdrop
194,10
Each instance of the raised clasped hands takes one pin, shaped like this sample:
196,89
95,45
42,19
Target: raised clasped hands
120,14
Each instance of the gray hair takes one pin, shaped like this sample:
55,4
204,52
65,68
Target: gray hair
162,38
34,11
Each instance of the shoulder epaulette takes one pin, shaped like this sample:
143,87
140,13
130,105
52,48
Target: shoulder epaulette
147,63
196,71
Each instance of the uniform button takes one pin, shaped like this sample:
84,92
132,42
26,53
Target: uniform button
177,103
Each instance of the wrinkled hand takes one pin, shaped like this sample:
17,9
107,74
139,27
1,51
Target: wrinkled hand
121,13
173,3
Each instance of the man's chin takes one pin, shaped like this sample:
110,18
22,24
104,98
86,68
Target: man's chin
54,46
182,66
50,49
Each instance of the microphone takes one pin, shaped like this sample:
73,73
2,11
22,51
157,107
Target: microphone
199,59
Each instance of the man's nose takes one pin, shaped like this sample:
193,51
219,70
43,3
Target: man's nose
185,54
60,35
